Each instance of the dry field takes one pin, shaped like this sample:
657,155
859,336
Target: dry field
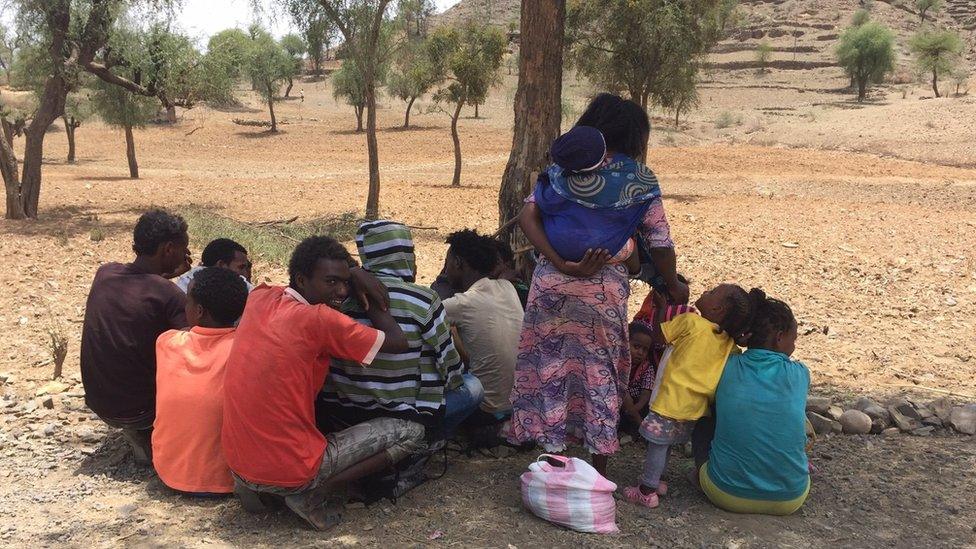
877,255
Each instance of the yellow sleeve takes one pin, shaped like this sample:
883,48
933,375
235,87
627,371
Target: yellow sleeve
678,327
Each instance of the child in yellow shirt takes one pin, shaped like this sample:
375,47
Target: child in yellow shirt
700,347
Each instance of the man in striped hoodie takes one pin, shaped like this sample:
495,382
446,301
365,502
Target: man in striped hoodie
415,385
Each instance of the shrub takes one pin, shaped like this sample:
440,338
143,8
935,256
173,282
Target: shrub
727,119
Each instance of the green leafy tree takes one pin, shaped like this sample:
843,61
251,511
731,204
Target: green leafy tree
296,47
120,108
170,65
861,16
960,78
867,54
937,53
926,6
764,53
413,74
269,66
416,15
684,93
228,53
645,48
366,32
348,85
472,55
317,31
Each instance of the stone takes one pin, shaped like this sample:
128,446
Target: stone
891,431
48,402
923,431
52,388
50,429
904,415
932,422
855,422
871,408
823,425
818,405
963,419
834,412
942,408
878,426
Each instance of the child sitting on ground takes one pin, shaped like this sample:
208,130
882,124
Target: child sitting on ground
702,344
190,364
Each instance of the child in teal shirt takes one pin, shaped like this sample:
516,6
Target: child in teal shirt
757,462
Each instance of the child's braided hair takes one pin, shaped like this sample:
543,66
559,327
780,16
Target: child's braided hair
741,313
772,316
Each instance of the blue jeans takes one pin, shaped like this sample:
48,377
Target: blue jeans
461,403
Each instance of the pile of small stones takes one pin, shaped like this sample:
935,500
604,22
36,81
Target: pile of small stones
898,415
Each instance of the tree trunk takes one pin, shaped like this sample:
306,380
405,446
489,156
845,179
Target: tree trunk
935,81
274,121
69,129
406,119
476,113
291,82
677,113
359,117
537,108
171,113
456,182
372,149
862,89
11,179
130,153
50,108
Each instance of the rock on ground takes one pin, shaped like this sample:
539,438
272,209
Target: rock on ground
855,422
823,425
963,419
818,405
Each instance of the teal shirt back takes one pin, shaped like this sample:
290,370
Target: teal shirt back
759,447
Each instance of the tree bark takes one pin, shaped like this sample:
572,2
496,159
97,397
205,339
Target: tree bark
291,82
274,121
51,107
130,153
11,179
372,149
477,114
935,81
862,89
171,113
69,128
359,117
406,118
456,182
537,109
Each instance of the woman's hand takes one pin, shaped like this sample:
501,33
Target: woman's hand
593,261
368,289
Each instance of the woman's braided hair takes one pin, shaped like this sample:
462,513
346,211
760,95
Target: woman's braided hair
772,316
741,313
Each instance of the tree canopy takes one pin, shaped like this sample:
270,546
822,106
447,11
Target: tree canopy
936,53
867,54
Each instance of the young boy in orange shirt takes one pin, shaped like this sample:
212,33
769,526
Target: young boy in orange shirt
190,364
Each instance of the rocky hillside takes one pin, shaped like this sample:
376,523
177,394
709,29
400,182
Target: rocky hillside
502,13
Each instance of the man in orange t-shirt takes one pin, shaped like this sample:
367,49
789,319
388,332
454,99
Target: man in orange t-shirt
190,364
278,364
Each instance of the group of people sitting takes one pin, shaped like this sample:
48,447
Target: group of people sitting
288,392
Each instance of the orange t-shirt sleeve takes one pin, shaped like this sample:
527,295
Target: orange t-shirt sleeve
344,338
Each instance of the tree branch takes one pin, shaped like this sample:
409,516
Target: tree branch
102,72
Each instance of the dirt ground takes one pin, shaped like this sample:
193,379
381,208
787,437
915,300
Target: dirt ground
875,254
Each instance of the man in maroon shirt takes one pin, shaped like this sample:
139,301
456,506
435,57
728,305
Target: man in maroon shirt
129,305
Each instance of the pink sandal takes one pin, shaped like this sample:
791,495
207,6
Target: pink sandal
634,495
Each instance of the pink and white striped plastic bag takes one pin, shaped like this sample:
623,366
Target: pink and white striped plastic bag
569,492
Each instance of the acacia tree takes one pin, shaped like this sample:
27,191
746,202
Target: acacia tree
269,66
348,85
121,108
537,109
224,64
926,6
316,30
937,53
867,53
472,55
295,47
416,15
764,53
413,74
643,47
361,24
